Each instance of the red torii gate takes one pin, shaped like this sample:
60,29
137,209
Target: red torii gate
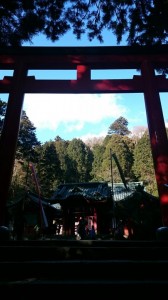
83,60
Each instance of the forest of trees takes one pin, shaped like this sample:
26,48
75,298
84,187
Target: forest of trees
61,161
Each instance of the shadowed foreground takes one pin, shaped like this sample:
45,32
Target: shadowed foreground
86,267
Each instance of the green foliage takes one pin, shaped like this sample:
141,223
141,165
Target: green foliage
26,151
119,126
81,159
68,171
141,22
98,151
143,164
49,171
27,140
18,185
122,147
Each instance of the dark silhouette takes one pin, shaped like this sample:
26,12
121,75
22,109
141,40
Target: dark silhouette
82,228
92,233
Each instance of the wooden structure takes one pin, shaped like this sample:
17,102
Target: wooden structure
92,200
83,60
25,215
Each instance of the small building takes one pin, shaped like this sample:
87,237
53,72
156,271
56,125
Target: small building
32,215
92,201
140,213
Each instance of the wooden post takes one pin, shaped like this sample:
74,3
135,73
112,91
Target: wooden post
9,136
158,136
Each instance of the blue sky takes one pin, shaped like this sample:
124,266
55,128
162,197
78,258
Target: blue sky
78,115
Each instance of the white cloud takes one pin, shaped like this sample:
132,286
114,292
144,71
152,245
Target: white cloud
48,111
88,136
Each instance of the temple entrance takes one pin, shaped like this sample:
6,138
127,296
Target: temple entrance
82,61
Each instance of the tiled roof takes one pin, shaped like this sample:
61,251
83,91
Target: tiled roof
92,191
33,200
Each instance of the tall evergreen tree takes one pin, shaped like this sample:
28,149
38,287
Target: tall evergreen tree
119,126
49,171
26,151
65,161
27,140
143,164
98,151
122,147
82,158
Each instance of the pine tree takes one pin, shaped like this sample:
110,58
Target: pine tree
27,140
81,157
143,164
119,126
49,171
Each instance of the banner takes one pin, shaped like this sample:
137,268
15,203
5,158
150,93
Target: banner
44,222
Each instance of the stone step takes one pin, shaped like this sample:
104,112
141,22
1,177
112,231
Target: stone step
85,269
90,250
134,289
64,266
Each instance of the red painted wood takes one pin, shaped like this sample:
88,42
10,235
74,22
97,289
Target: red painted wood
9,136
158,136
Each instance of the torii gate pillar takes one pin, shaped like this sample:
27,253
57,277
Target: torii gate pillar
158,136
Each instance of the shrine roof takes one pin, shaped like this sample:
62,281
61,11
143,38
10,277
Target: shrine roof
92,192
32,200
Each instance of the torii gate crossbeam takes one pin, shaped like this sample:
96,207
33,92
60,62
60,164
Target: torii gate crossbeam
83,60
